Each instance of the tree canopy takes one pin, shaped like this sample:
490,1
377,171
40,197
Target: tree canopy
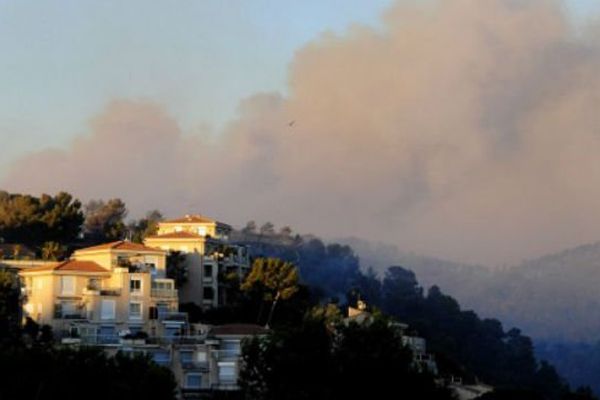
35,220
105,221
274,278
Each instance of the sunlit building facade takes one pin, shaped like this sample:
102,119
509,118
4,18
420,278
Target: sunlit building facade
210,257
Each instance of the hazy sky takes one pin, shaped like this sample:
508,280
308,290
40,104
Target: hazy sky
62,61
466,129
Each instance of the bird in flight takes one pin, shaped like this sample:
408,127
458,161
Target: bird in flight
291,123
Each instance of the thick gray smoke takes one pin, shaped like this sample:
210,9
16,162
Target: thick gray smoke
466,129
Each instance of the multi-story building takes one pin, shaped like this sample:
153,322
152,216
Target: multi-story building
209,256
118,287
116,296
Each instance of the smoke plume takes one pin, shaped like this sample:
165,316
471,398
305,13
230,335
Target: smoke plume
465,129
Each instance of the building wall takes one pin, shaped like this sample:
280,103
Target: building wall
197,228
40,297
109,259
183,245
83,304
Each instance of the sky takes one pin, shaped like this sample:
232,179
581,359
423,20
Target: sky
444,127
64,60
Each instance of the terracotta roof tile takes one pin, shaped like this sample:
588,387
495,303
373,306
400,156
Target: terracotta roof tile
120,245
70,265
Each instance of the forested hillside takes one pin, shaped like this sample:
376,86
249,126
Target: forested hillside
554,299
466,345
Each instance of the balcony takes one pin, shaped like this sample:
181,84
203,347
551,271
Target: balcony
172,316
110,339
227,355
95,291
164,293
195,365
226,385
175,339
70,315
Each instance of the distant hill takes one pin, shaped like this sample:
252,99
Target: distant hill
552,298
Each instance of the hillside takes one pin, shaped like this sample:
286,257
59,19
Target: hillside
554,297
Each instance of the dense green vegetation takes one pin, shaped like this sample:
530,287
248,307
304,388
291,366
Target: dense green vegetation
50,373
553,298
321,359
465,345
578,362
36,220
53,226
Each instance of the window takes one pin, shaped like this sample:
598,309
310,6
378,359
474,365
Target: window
135,329
208,293
107,335
123,261
107,309
161,357
67,285
227,372
135,310
135,286
87,333
69,309
201,357
202,231
93,284
162,285
172,332
162,310
186,356
178,229
231,348
193,381
39,283
208,271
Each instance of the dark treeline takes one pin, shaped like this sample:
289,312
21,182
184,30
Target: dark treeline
328,268
53,226
322,358
553,298
578,362
465,345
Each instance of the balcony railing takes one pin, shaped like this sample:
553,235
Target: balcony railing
94,291
227,355
195,365
164,293
228,384
175,339
71,315
172,316
100,339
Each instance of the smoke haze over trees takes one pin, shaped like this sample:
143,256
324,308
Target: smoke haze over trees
462,129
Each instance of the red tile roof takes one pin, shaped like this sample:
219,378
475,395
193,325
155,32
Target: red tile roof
176,235
70,265
121,245
238,329
190,219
